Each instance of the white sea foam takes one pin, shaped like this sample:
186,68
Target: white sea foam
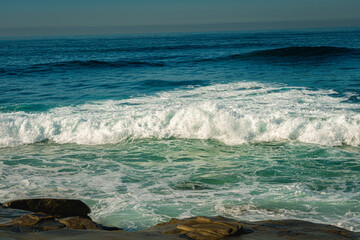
234,114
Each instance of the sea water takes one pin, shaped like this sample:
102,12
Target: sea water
248,125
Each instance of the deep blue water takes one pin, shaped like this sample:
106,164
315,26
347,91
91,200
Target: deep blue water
48,72
251,125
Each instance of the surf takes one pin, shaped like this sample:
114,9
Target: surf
234,114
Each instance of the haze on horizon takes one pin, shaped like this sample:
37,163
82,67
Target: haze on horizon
49,17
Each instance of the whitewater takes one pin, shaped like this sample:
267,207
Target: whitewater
233,114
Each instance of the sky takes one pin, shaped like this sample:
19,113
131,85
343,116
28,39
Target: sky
56,16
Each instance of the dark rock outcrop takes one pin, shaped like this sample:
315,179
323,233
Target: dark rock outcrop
37,215
22,224
56,207
269,230
38,222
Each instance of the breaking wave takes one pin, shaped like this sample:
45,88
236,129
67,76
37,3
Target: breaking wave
236,113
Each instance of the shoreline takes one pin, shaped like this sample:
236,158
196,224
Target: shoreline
50,218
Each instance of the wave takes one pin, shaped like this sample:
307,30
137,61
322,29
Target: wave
290,54
323,51
293,53
234,114
88,64
97,63
156,48
176,47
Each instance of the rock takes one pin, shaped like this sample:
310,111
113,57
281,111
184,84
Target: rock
109,228
51,206
44,222
22,224
7,214
79,223
32,223
201,228
29,220
21,221
172,221
49,224
269,230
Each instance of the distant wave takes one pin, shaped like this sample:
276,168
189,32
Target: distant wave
234,114
66,65
97,63
323,51
154,48
184,47
292,53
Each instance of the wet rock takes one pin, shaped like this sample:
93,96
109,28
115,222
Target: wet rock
32,223
79,223
21,221
295,229
172,221
29,220
49,224
44,222
109,228
7,214
51,206
201,228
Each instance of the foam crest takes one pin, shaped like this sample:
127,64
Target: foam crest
234,114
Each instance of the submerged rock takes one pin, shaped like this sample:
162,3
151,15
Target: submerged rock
56,207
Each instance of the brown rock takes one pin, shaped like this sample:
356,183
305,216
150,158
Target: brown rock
55,207
201,228
32,222
172,221
26,220
79,223
49,224
30,219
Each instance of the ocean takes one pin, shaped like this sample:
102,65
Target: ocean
249,125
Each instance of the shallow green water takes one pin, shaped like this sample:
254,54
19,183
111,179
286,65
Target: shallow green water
140,183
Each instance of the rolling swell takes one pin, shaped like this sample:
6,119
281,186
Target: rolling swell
290,54
181,47
71,65
306,52
293,54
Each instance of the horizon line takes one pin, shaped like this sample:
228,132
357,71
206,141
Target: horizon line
176,28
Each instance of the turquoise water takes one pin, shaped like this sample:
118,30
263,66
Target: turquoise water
248,125
138,184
